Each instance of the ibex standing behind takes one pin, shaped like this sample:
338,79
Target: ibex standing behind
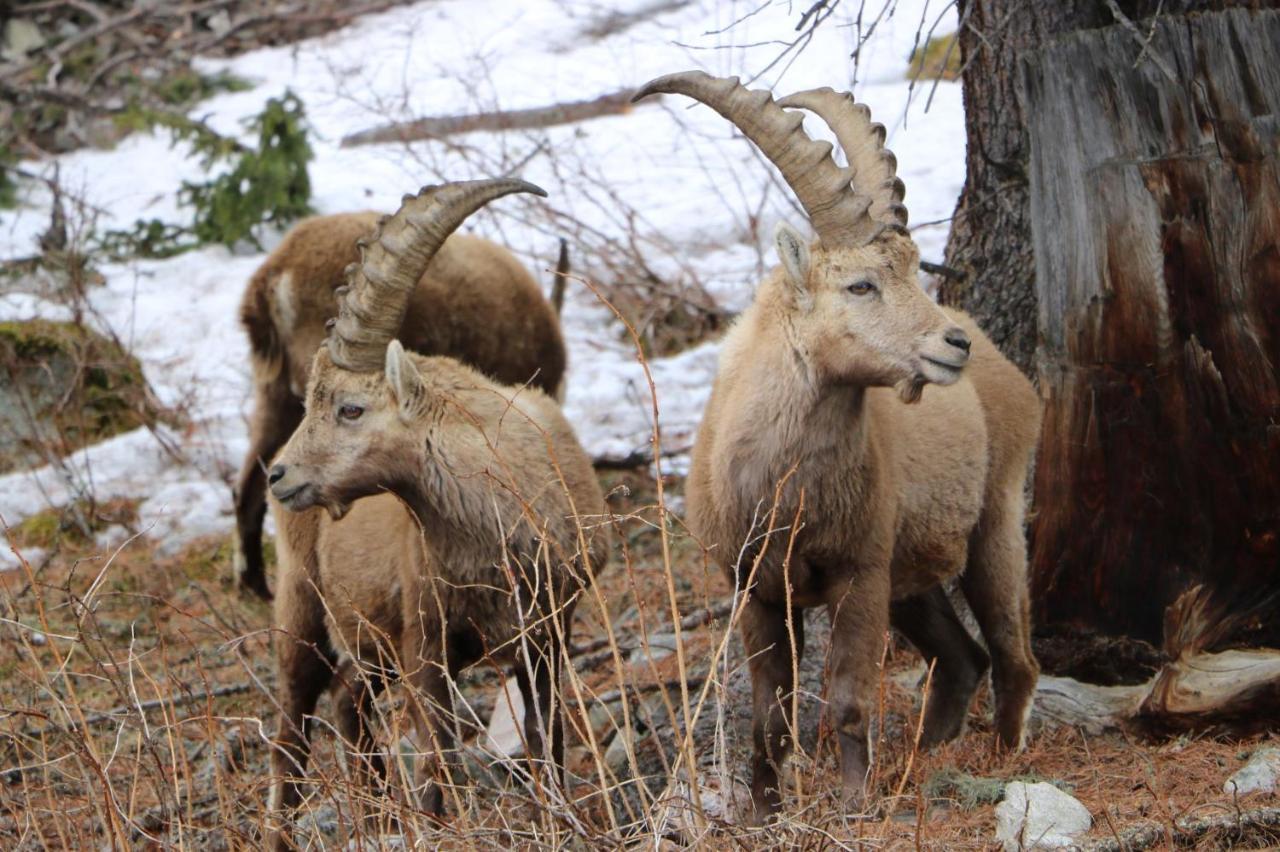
474,302
891,498
482,550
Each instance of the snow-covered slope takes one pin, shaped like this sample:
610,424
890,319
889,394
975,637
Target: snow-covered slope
690,179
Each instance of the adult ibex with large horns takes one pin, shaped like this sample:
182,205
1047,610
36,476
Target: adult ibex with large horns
471,529
877,496
474,302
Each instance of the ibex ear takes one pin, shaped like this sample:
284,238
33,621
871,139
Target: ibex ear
793,251
405,381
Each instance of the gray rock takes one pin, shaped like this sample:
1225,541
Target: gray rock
1257,776
1039,816
504,735
661,646
21,37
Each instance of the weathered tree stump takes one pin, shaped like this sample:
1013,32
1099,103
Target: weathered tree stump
1155,201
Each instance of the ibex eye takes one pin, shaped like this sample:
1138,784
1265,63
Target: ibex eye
861,288
350,412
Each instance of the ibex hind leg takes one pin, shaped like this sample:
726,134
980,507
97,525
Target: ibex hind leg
930,622
543,722
276,414
995,584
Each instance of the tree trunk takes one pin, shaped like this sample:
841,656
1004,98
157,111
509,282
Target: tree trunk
990,240
1154,190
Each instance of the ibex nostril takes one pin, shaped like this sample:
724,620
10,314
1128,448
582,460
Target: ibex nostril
275,474
957,338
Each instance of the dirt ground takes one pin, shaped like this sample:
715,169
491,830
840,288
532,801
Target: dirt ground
135,706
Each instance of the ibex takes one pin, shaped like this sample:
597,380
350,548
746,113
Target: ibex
475,302
892,489
465,536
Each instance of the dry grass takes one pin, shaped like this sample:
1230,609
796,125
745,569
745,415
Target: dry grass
137,709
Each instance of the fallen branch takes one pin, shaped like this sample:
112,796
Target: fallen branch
635,458
154,704
1234,692
592,654
1188,831
438,127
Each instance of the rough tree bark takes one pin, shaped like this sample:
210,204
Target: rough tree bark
1085,574
1154,155
990,239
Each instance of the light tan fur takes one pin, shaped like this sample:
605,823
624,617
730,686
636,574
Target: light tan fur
475,302
453,518
813,390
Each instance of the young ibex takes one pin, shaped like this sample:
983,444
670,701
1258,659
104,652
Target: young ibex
475,302
481,551
891,499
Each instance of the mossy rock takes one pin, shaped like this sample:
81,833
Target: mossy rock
64,387
74,524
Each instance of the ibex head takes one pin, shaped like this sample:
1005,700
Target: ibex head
853,306
366,401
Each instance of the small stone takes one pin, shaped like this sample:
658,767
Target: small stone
219,22
1039,816
661,646
1257,776
505,735
616,756
21,37
724,801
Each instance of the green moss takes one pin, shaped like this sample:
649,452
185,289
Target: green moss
970,791
205,562
188,86
61,525
938,59
8,188
31,338
39,530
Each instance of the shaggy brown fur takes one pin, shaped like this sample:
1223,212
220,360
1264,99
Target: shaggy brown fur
495,521
475,302
896,497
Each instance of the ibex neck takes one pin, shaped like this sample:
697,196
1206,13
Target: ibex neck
788,419
456,507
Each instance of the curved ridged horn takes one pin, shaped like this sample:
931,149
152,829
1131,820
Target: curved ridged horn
837,213
873,166
372,305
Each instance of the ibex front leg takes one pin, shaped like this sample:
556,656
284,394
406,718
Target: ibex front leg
432,706
859,611
768,645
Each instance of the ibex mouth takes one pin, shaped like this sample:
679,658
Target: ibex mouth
941,372
297,498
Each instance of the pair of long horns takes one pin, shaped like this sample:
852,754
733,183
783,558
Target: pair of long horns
373,302
846,205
